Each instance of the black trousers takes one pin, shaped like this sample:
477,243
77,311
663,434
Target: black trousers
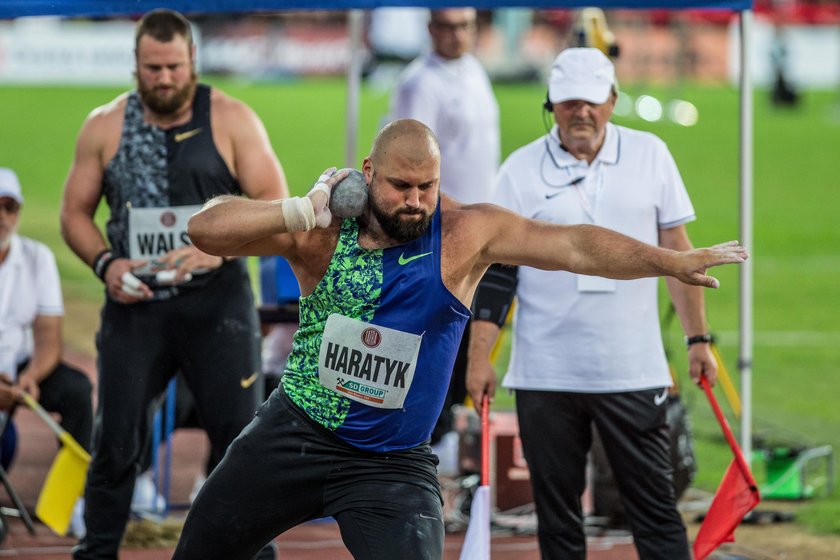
556,433
211,336
284,470
69,392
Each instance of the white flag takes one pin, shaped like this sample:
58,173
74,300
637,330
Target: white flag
477,542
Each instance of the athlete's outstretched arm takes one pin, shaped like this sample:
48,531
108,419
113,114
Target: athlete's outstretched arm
593,250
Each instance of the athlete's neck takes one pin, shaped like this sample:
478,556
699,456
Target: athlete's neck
372,238
167,121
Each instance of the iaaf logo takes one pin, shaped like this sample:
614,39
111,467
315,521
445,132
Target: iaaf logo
371,337
356,389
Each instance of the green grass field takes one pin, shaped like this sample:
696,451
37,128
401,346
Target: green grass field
795,255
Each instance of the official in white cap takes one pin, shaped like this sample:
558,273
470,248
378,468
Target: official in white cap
10,186
11,200
584,74
587,350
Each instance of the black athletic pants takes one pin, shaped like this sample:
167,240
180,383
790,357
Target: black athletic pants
211,336
284,470
555,428
69,392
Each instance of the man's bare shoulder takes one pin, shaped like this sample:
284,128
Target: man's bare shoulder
457,214
227,107
113,109
103,126
470,227
108,116
232,117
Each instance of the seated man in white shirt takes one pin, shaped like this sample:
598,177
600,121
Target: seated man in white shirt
31,308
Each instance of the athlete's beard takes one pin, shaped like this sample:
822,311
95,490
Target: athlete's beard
167,105
398,229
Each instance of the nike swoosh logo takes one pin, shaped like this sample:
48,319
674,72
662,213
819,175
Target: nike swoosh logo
552,195
181,136
659,399
248,381
404,261
574,182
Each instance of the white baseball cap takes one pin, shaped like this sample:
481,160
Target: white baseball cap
581,73
9,185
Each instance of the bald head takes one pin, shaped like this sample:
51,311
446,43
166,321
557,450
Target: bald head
405,139
403,175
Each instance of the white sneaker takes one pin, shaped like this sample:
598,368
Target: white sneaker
146,497
77,520
199,482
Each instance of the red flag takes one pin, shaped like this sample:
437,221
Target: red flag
736,496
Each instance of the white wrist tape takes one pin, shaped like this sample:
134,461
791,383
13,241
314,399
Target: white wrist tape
298,214
130,280
326,174
134,292
323,187
131,285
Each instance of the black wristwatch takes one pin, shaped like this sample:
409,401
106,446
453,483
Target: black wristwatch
697,339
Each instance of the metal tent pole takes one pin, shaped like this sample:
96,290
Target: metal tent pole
746,233
355,22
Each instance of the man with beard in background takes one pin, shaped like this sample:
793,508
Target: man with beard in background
155,155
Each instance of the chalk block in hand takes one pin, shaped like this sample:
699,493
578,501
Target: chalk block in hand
349,197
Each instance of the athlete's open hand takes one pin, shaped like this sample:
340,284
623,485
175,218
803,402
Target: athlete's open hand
183,262
691,265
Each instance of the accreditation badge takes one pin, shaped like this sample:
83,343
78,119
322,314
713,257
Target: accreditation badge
153,232
367,363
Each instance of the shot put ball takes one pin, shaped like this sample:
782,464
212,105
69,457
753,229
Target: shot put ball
349,196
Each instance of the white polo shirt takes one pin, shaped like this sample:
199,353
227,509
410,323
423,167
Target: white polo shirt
580,333
29,286
454,98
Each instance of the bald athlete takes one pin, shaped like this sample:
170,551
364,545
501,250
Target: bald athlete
384,301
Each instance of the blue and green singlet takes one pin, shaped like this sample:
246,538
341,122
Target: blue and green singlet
399,288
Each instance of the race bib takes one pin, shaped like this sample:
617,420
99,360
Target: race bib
153,232
367,363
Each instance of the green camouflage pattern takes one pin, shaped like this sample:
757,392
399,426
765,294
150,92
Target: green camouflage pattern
352,287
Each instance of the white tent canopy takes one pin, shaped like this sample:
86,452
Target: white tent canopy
106,8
